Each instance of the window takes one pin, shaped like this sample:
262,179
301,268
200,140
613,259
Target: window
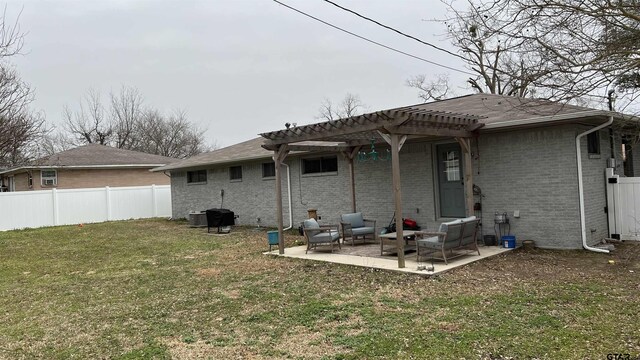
593,143
268,170
452,166
30,180
195,177
49,177
235,173
320,165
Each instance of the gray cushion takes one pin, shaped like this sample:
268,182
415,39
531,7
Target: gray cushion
355,219
470,218
311,224
445,225
365,230
431,242
324,237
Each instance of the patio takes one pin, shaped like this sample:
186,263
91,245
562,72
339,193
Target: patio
368,255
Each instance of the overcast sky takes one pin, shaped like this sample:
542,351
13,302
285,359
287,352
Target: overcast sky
238,68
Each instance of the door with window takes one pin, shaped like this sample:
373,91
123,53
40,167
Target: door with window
450,184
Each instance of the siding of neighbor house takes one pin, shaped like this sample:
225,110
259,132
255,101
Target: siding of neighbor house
533,171
90,178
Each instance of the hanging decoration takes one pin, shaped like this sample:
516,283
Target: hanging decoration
373,155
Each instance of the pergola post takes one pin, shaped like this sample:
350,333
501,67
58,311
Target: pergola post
278,157
465,144
352,175
397,196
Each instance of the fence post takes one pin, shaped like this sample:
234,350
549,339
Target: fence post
107,191
154,200
54,196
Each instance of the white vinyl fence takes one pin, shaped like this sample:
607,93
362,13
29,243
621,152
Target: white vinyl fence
623,206
30,209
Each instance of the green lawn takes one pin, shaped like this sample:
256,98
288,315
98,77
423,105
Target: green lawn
158,289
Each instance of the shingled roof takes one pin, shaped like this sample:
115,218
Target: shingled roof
247,150
96,156
493,111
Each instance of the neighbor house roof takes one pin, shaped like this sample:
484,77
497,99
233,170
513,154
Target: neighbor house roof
96,156
494,111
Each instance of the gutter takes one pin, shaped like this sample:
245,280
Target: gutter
62,167
583,226
289,191
543,119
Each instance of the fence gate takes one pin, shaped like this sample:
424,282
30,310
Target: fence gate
623,206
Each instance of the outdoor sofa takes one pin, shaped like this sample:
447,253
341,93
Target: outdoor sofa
452,235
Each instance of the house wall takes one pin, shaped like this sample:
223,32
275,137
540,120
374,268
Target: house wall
533,171
90,178
595,197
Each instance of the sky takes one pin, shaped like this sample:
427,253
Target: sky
237,68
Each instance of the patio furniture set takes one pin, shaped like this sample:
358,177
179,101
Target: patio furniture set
459,234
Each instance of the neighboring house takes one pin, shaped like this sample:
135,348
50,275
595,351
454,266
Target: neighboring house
524,161
87,166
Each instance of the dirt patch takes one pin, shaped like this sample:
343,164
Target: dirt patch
209,272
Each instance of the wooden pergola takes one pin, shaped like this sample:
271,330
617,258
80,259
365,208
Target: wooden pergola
348,135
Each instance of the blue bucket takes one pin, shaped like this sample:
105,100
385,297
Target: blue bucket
272,236
509,241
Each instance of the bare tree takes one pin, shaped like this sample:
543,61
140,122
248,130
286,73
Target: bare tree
89,124
350,105
501,63
172,136
126,123
126,111
437,89
20,126
587,46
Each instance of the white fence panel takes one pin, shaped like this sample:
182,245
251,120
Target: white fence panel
623,204
131,203
81,206
27,209
163,201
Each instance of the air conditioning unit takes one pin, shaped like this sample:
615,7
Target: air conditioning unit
49,182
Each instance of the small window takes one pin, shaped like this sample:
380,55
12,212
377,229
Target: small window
593,143
268,170
49,177
235,173
320,165
195,177
452,166
30,180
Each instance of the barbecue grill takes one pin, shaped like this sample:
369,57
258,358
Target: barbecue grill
223,219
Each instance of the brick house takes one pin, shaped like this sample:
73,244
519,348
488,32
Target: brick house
87,166
524,162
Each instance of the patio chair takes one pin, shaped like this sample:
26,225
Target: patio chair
354,226
320,235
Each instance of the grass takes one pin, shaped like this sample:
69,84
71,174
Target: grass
157,289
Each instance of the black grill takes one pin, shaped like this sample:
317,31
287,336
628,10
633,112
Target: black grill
219,218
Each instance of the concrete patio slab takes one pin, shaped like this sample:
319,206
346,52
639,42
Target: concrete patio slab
369,256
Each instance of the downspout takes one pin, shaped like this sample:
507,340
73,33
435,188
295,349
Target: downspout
289,192
583,226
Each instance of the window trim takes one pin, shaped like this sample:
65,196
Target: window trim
241,173
206,177
54,178
321,172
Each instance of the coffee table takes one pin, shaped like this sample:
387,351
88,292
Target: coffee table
409,236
